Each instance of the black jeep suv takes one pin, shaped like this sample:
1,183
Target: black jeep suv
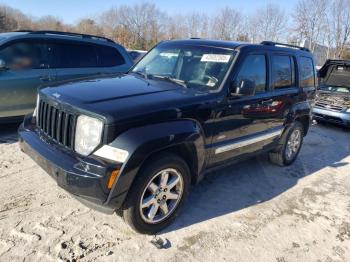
135,143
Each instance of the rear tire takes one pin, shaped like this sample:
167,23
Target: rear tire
158,194
289,145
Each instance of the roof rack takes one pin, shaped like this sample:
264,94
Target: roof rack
71,34
271,43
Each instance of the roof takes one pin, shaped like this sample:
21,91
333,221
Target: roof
208,42
12,34
54,34
240,45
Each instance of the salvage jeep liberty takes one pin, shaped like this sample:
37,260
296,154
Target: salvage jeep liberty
134,143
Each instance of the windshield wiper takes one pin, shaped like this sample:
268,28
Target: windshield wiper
144,75
172,80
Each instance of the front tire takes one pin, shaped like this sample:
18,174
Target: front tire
158,194
289,145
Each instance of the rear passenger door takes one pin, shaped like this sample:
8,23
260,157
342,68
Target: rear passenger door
73,60
284,88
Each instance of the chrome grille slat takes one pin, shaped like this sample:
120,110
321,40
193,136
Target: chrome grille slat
56,124
329,106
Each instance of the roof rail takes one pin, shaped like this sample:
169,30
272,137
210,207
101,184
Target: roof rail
49,32
23,31
271,43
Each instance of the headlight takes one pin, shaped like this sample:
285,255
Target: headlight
348,110
87,135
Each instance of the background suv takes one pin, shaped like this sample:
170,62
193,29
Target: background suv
29,60
333,96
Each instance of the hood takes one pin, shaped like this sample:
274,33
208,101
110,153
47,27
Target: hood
335,73
89,91
123,97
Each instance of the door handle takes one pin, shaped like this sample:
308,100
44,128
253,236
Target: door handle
267,102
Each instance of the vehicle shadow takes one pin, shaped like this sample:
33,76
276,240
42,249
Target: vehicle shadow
255,181
8,133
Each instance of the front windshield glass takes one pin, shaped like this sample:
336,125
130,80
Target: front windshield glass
190,66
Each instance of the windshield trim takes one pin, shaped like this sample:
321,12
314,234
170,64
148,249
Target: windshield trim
235,54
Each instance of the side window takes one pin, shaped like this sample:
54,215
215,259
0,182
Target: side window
283,74
109,56
25,55
253,69
72,55
307,72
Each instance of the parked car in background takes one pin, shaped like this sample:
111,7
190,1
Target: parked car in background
136,142
333,96
136,55
32,59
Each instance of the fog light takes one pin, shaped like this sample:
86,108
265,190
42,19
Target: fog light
112,178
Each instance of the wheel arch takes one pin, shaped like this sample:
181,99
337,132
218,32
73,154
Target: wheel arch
185,138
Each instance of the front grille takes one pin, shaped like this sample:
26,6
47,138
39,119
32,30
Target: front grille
56,124
328,106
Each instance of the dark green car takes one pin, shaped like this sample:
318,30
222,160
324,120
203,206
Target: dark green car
30,60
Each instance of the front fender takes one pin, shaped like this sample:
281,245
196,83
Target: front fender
143,141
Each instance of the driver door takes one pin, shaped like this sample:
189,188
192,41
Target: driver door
242,124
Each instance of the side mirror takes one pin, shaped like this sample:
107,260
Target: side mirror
3,66
245,88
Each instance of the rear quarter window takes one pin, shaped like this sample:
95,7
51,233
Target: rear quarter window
109,56
307,72
73,55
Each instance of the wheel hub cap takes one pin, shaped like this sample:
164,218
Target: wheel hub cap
161,196
293,144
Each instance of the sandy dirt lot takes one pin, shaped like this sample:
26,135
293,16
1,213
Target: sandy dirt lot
252,211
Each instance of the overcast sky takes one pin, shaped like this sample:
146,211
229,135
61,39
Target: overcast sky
70,11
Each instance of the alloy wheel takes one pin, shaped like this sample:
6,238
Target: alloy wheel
161,196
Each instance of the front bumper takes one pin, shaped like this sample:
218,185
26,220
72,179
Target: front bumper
85,178
341,118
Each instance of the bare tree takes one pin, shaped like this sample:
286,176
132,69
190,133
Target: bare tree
339,24
50,23
227,24
88,26
269,23
8,23
310,21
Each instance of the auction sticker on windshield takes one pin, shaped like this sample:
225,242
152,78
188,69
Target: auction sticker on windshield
215,58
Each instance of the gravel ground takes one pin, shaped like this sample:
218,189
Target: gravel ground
252,211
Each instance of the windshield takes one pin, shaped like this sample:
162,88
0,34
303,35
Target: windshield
338,89
190,66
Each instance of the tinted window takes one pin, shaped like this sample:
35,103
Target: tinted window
25,55
71,55
307,72
109,56
282,71
253,69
